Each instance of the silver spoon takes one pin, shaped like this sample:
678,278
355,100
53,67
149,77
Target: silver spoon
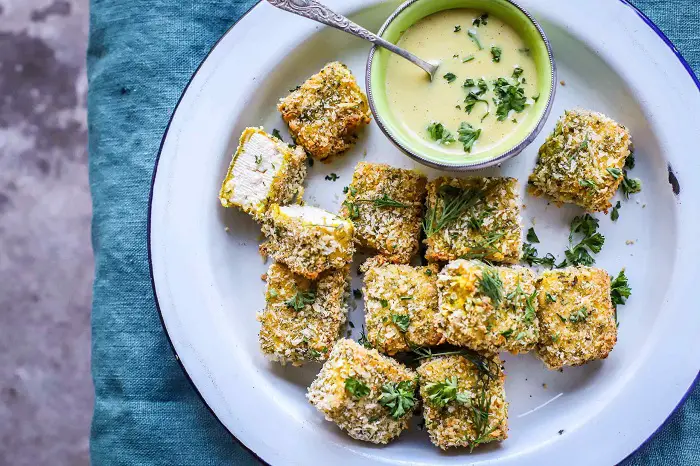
313,10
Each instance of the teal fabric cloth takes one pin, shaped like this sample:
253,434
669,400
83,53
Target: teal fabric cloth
140,57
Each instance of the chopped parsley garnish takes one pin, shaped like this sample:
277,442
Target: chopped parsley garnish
491,285
258,159
530,257
450,77
468,59
496,53
332,177
614,172
619,289
398,398
471,100
468,135
532,236
485,115
517,71
483,19
401,321
536,97
276,133
442,393
615,213
472,35
356,388
630,185
508,97
440,134
592,242
507,333
550,298
451,203
301,299
458,28
384,302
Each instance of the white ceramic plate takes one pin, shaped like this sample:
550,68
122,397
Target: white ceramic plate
207,280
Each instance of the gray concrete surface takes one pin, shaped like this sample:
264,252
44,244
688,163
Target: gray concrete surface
46,267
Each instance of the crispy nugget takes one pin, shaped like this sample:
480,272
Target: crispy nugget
577,318
325,113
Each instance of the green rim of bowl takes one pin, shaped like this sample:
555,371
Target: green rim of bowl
532,34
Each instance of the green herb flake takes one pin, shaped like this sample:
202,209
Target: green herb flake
614,172
442,393
356,388
468,59
615,213
439,133
481,20
449,77
301,299
468,135
401,321
384,302
588,184
474,37
458,28
620,289
276,133
399,398
532,236
550,298
332,177
496,53
356,293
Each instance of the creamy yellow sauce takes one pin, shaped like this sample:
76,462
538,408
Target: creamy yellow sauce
444,37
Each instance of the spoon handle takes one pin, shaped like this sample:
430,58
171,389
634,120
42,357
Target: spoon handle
311,9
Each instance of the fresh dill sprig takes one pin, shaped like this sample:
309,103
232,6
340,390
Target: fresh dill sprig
451,203
491,285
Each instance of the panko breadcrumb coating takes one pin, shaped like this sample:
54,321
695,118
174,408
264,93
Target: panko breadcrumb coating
325,113
582,161
386,205
474,218
263,171
307,239
401,307
577,318
456,393
488,308
302,319
354,390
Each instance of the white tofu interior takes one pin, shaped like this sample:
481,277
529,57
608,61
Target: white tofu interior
314,215
254,170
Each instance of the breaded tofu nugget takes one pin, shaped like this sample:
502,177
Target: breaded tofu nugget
488,308
456,391
368,395
307,239
386,205
474,218
577,318
263,171
582,161
325,113
401,307
302,319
